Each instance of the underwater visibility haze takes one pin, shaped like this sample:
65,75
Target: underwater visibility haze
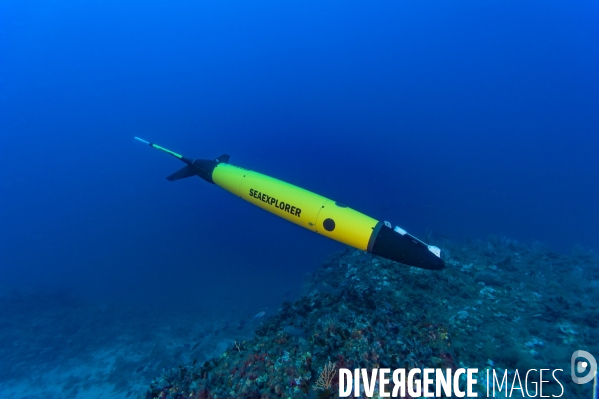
473,125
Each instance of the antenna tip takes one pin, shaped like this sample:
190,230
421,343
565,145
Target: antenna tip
142,140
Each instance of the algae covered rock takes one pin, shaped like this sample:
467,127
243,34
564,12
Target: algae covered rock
360,311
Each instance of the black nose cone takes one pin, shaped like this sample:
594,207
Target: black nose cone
405,249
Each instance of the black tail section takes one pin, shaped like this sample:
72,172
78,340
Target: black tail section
223,158
199,167
182,173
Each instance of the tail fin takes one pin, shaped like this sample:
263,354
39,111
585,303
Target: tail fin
223,158
196,170
182,173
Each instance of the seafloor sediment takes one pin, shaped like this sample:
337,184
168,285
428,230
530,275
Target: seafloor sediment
498,304
54,344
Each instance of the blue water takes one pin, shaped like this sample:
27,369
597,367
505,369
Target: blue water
460,118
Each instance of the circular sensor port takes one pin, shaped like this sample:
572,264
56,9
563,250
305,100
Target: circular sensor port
328,224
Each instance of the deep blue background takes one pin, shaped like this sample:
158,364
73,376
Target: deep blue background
466,118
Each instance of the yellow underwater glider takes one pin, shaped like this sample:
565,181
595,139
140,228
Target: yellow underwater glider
311,211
